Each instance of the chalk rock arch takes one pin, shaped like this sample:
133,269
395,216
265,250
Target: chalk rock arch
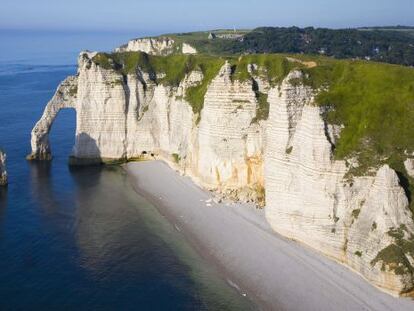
64,97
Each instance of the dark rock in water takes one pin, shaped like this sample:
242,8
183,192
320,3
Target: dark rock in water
3,172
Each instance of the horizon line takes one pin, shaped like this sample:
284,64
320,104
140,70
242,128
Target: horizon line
194,29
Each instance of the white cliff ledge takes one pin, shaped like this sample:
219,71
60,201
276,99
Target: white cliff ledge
253,134
157,46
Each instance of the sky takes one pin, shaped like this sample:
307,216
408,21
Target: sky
163,16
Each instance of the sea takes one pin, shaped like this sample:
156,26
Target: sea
83,239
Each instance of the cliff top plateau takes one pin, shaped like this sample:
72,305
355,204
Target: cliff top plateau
383,44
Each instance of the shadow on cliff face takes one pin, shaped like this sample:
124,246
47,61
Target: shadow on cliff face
405,184
85,152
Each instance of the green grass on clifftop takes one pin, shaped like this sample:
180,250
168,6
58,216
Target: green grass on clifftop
174,67
374,102
273,67
210,68
168,70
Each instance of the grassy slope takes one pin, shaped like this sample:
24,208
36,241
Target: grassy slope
200,40
375,103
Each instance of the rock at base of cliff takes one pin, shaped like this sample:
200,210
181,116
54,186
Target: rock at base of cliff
3,172
3,180
39,157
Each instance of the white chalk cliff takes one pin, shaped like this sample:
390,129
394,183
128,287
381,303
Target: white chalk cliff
360,222
3,172
157,46
409,166
188,49
154,46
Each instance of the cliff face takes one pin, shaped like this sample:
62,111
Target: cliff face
154,46
3,172
188,49
364,222
157,46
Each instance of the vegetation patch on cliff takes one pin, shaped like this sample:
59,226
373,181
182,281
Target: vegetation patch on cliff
272,67
176,157
394,256
73,91
262,109
374,102
210,68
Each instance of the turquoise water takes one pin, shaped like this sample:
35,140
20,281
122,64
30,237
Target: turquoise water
82,239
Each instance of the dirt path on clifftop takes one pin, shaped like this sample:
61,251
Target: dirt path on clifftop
277,273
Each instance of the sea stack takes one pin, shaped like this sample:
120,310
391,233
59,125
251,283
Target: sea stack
3,172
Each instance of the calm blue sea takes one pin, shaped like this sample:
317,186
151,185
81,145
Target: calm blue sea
82,239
